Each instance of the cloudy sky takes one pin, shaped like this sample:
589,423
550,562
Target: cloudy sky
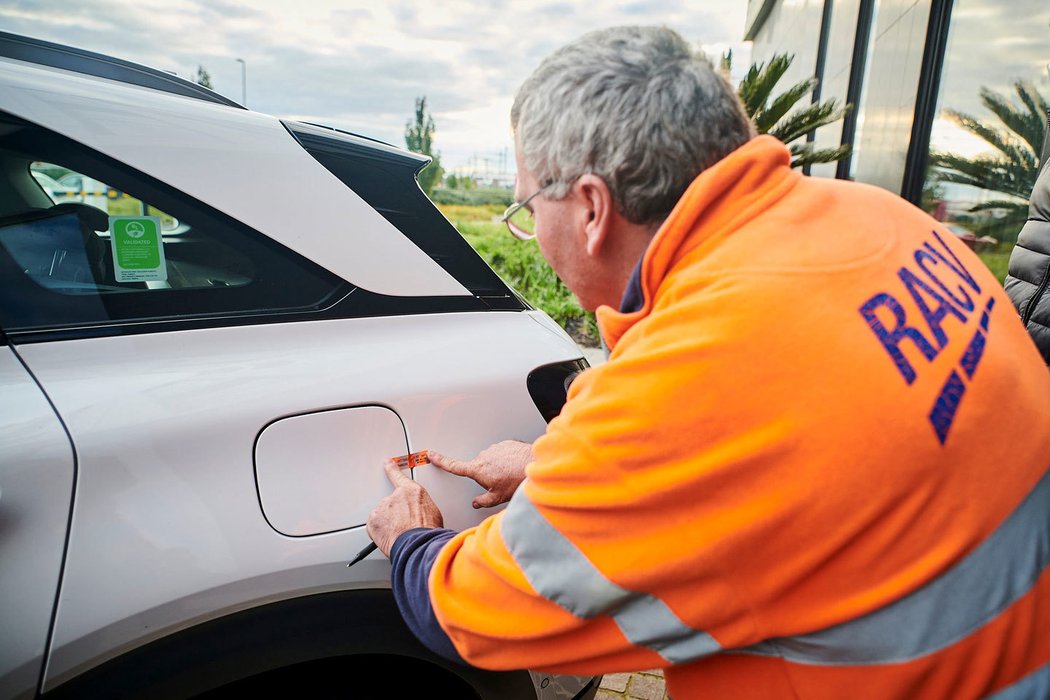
360,65
992,44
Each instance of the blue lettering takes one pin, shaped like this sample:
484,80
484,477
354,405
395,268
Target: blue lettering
891,339
957,267
987,310
933,316
972,357
921,256
943,413
935,300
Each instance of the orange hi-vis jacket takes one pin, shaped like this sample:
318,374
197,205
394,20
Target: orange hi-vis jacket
814,466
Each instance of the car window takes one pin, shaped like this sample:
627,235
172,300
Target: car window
85,214
109,245
385,178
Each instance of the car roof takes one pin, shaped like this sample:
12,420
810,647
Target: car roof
70,58
46,53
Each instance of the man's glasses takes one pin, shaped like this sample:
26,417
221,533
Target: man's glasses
518,216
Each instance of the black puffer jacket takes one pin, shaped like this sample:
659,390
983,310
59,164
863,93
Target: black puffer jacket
1028,281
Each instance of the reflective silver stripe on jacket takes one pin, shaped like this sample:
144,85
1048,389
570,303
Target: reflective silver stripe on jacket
997,573
560,572
1034,686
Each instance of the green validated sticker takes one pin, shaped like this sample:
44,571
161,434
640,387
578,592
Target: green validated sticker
138,249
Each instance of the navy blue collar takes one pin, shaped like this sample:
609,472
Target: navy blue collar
633,297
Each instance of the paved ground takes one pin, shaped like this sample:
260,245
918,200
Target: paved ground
595,356
646,685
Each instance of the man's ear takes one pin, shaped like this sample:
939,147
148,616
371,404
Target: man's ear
600,211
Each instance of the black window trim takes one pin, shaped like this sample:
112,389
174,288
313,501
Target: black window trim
818,69
415,215
855,88
918,155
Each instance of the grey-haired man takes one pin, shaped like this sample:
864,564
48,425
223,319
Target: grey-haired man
796,476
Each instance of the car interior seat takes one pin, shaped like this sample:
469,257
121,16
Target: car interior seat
46,251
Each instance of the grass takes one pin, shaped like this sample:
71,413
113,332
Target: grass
129,206
468,213
997,260
522,266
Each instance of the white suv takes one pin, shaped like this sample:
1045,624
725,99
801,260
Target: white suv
202,370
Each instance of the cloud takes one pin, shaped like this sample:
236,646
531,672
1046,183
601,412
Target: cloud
993,45
360,65
652,7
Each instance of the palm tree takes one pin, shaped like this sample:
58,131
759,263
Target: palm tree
1012,169
771,114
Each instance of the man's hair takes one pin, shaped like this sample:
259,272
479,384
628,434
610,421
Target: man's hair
636,106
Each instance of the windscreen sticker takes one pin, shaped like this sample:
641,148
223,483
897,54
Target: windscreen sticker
138,249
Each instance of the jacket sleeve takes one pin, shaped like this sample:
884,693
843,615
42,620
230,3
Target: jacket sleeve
568,578
411,559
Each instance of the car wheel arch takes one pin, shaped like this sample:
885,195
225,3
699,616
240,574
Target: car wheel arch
235,648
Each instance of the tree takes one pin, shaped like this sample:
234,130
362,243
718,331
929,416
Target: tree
203,77
725,65
1012,169
771,114
419,137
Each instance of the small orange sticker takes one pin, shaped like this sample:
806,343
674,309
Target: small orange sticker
413,460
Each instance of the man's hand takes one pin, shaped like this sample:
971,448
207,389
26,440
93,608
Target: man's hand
499,470
409,506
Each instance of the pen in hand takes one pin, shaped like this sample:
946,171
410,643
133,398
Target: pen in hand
369,548
410,461
405,461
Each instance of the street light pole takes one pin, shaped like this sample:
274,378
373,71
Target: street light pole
244,81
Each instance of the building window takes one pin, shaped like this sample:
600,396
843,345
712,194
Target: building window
990,122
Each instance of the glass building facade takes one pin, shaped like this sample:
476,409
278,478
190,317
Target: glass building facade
949,97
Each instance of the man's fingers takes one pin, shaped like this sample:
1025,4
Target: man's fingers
487,500
450,465
396,476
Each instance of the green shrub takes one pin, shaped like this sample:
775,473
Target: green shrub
474,197
487,213
520,264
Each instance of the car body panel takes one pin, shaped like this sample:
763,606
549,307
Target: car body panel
37,472
257,172
167,529
307,466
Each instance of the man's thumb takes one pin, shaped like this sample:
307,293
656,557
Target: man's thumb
487,500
